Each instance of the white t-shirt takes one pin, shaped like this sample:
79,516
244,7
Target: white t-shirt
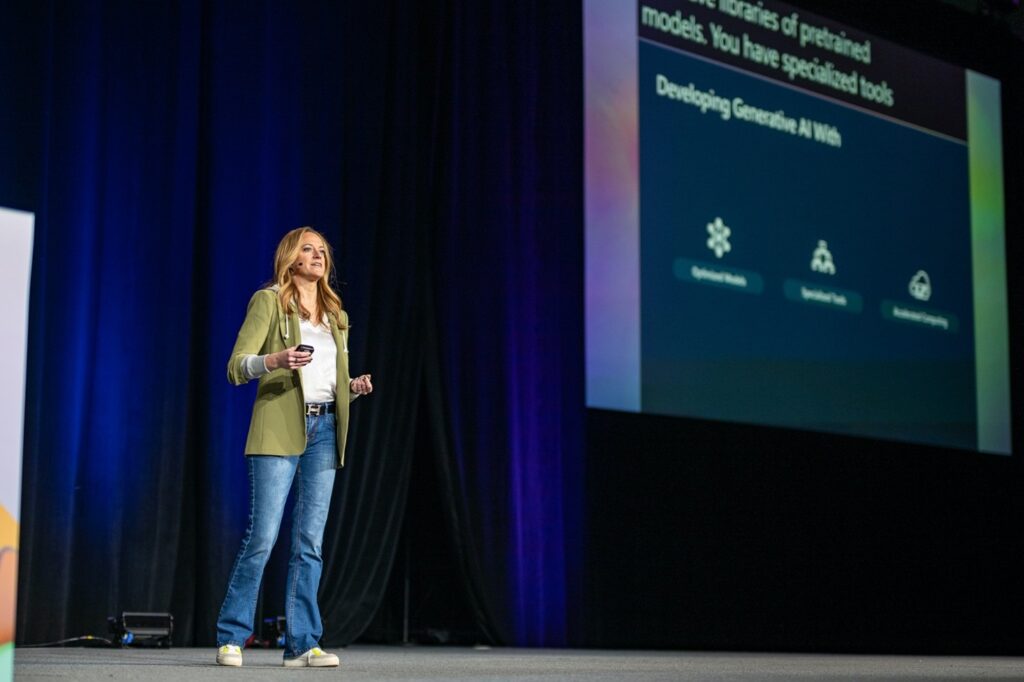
319,377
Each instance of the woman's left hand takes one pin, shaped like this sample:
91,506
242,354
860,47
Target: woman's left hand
361,385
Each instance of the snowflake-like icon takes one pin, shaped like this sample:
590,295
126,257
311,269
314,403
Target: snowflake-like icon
718,240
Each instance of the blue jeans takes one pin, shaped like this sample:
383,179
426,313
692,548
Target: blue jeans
270,480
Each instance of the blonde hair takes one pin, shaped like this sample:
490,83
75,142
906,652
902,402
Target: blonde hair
327,301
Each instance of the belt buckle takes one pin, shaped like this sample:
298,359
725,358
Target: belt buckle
314,409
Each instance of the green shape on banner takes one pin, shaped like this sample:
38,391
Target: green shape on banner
7,662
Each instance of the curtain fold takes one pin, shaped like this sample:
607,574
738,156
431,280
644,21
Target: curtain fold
509,249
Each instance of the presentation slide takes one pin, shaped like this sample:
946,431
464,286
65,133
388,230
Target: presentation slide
792,223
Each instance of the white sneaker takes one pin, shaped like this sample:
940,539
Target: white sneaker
314,658
229,654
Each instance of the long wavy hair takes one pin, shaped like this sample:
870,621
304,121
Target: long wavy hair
328,302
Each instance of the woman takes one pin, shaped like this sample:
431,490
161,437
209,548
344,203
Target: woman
296,436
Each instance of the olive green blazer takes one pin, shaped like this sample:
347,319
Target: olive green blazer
278,425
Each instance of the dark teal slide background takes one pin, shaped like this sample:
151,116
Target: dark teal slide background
891,201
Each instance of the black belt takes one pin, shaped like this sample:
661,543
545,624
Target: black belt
319,408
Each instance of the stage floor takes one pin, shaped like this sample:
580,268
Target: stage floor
420,664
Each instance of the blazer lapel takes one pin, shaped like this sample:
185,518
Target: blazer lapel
340,337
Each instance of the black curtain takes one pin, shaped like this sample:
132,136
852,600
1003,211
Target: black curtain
505,374
170,146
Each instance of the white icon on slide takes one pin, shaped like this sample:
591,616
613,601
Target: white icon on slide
718,241
822,261
920,286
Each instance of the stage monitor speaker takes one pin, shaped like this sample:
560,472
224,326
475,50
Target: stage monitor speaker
136,628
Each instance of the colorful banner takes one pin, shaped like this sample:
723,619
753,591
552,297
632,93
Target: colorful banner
16,230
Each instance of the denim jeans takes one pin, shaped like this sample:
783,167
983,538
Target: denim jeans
270,480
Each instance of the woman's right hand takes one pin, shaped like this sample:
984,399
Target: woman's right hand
289,358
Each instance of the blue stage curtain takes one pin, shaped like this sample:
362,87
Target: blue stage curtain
509,299
437,146
105,488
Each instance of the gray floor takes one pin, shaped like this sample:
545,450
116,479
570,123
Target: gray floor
422,664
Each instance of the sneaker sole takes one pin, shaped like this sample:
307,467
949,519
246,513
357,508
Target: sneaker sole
302,663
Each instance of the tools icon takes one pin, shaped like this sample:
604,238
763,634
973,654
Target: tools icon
821,260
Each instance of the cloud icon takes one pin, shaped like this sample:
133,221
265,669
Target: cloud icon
920,286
